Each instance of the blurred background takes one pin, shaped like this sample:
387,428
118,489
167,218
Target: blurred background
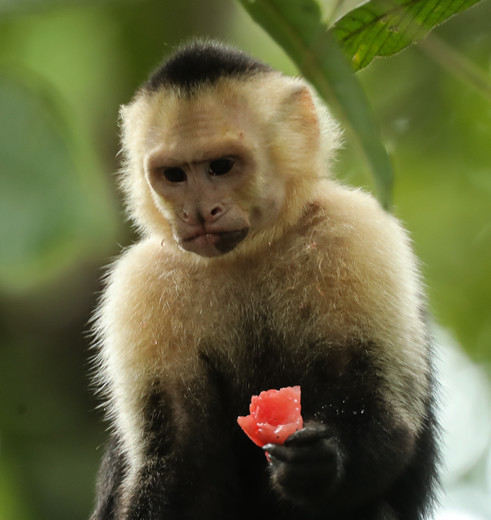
65,68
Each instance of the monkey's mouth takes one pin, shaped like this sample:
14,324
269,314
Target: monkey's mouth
214,243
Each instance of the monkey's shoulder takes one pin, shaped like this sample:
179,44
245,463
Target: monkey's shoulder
344,237
358,257
348,227
134,280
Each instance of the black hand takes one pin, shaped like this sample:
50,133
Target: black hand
307,466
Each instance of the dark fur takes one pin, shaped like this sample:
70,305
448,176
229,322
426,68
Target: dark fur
223,475
200,63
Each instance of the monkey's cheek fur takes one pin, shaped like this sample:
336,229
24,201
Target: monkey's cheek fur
214,244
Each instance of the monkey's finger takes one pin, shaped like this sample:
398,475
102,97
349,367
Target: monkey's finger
295,455
307,435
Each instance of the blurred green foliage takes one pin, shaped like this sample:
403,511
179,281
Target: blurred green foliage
65,67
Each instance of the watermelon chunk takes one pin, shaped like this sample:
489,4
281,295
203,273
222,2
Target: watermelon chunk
274,416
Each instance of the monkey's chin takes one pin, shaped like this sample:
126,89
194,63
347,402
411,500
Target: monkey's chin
214,244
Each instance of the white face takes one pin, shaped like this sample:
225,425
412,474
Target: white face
204,170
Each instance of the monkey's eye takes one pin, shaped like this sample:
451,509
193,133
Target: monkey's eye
174,174
220,166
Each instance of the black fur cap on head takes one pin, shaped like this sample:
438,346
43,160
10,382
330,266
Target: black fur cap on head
202,62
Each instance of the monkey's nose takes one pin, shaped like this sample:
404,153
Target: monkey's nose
200,215
211,214
215,212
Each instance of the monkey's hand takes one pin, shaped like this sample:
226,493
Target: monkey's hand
307,467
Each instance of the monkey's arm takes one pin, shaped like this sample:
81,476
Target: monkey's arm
323,466
369,432
185,455
164,407
109,481
344,457
369,412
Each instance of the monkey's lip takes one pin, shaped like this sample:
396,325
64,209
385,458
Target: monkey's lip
210,235
223,241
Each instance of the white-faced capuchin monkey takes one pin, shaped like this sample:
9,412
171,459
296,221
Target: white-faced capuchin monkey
256,270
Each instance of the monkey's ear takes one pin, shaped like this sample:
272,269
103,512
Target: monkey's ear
298,111
296,123
301,105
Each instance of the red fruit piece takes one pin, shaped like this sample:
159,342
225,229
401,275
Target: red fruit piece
274,416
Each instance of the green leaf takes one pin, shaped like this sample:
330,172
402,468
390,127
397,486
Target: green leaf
297,27
385,27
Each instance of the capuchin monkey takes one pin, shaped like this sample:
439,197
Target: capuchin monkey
256,270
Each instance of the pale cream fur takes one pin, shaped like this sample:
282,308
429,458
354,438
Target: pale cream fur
332,252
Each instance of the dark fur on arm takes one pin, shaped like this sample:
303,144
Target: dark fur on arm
110,477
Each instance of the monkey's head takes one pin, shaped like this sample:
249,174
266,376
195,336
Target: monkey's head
222,152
